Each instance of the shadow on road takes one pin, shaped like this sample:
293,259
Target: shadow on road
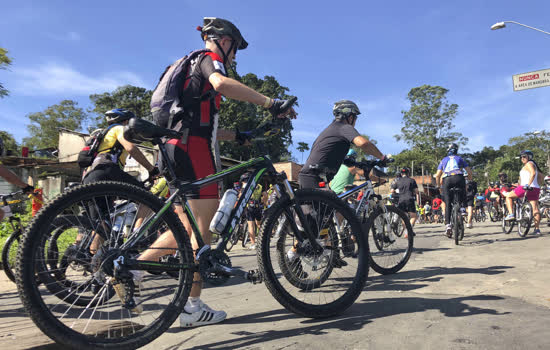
360,314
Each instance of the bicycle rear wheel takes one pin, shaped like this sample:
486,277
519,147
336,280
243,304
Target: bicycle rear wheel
308,283
525,218
104,322
456,220
389,252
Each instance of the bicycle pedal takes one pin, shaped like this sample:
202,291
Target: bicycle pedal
254,276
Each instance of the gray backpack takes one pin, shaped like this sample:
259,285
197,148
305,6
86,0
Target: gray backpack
167,106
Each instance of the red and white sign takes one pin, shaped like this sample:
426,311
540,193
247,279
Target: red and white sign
531,80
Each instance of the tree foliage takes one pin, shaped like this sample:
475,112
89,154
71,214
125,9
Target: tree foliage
44,126
5,61
133,98
10,144
427,126
246,116
302,147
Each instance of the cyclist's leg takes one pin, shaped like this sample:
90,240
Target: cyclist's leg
447,195
510,196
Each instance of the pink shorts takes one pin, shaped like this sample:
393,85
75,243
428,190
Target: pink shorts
532,195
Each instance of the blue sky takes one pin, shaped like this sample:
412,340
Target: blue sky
371,52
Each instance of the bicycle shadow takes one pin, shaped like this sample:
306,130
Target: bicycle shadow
360,314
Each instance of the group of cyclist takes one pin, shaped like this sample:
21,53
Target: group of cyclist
197,157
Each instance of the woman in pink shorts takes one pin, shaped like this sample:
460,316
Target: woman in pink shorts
527,178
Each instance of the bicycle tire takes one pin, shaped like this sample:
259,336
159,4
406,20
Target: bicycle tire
234,238
402,254
526,215
244,234
8,254
455,219
29,262
323,300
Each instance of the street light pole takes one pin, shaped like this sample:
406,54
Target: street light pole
500,25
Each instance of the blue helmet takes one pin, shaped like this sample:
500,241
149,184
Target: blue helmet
528,154
118,115
351,153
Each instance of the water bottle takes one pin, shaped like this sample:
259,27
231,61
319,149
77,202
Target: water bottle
224,211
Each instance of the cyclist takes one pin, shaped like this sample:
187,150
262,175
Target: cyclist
114,149
427,212
408,195
527,179
436,207
12,178
451,169
345,175
254,210
195,158
471,190
479,200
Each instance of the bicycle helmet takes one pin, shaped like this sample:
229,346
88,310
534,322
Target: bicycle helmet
118,115
503,176
343,109
527,153
547,180
452,149
245,177
406,171
215,28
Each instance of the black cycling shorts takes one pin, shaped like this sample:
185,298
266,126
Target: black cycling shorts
469,202
192,161
309,180
408,206
110,172
254,213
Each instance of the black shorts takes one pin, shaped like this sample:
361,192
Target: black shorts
110,172
408,206
254,213
192,161
309,180
469,202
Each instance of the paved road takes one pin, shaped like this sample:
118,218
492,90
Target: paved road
492,292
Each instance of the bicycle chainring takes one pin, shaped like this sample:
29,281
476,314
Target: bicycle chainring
209,263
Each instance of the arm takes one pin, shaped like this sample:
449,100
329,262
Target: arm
470,177
134,151
532,173
367,147
11,177
225,135
438,177
238,91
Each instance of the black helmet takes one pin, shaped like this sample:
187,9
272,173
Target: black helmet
214,28
452,149
406,171
118,115
527,153
502,175
345,108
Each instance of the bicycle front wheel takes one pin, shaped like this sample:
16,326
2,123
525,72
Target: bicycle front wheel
9,251
306,282
389,252
103,220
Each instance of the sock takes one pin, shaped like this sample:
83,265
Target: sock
192,305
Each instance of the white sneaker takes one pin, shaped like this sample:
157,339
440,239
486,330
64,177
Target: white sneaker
252,247
202,317
291,255
470,226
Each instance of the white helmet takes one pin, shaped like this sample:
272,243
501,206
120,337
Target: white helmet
547,180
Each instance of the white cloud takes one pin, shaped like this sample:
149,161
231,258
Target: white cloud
54,78
69,36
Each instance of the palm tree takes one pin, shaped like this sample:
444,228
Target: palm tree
302,147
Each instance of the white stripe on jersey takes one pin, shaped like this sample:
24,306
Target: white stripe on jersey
219,66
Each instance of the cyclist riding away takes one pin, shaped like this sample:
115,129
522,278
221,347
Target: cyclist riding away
451,169
195,156
471,190
408,194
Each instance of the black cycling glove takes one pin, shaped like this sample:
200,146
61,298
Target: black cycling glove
154,172
28,190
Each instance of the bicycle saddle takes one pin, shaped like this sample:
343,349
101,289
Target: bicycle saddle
139,130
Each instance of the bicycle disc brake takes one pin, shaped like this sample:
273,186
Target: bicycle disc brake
211,266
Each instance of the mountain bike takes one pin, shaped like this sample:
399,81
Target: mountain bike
389,249
106,322
239,233
9,251
457,222
523,215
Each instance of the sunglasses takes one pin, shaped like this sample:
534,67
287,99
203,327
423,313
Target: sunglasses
524,157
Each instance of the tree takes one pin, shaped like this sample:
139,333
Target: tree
5,61
428,124
302,147
136,99
44,126
10,144
246,116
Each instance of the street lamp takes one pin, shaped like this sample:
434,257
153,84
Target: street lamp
500,25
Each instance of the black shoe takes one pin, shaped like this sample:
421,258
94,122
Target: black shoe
338,262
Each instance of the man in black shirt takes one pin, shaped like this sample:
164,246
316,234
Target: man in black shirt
408,194
330,148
